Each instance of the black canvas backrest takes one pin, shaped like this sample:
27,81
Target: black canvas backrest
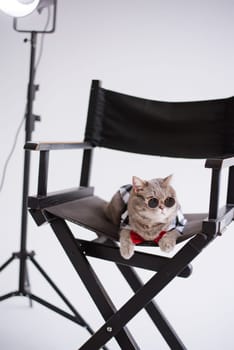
197,129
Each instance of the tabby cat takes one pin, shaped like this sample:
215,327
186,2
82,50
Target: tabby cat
146,210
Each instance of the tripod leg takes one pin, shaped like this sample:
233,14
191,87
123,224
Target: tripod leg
9,295
3,266
57,290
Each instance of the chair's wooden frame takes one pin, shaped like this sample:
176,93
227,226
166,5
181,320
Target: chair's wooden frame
167,268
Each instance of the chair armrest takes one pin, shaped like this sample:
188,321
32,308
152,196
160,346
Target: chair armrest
219,163
44,149
50,146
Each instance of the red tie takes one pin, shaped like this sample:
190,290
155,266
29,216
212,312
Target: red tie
137,239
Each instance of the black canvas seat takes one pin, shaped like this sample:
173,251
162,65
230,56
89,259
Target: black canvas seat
194,130
89,213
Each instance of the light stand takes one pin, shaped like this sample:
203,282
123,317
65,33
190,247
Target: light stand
23,255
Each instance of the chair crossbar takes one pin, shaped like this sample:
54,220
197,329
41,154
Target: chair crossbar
139,259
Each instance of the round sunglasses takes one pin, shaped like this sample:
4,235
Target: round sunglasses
154,202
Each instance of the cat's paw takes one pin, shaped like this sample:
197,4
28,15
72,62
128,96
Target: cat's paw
167,243
127,250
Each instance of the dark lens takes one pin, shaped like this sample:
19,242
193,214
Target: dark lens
169,202
153,203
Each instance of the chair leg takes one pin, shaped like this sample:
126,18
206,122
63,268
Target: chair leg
92,283
153,310
145,294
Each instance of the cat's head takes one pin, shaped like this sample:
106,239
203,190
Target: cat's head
155,198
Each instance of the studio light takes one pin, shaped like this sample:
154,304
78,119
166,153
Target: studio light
21,8
18,8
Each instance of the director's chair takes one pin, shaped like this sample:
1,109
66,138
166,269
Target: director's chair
199,129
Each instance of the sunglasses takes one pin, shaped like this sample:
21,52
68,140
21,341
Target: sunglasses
154,202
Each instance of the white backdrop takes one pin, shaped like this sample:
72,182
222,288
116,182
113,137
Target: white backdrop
166,50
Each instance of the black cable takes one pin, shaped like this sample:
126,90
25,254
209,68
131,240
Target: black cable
22,121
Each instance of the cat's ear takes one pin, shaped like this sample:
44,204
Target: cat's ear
138,184
167,180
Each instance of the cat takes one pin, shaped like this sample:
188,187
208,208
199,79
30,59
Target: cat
146,210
